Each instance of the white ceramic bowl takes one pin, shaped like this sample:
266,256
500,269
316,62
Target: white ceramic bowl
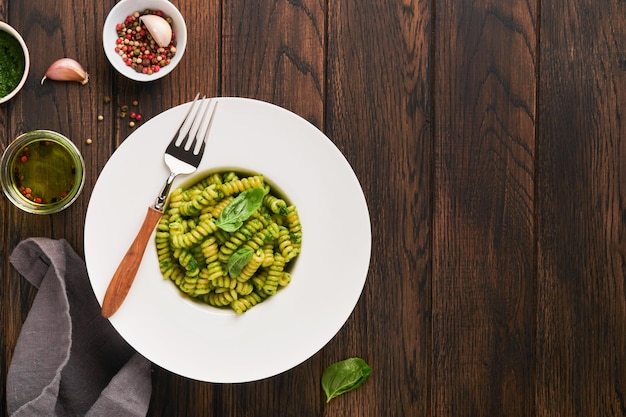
11,31
159,322
118,14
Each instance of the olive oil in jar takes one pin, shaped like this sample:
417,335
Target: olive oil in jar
44,172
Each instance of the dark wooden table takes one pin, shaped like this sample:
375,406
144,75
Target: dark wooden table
489,139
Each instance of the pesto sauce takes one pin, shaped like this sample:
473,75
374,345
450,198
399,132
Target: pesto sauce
12,63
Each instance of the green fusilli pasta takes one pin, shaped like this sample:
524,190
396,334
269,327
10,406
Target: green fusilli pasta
228,258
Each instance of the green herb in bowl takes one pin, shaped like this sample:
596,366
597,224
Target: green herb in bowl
14,62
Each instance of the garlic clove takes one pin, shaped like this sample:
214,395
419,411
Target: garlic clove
159,28
66,69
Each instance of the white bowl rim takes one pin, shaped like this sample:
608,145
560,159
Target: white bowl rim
5,27
123,9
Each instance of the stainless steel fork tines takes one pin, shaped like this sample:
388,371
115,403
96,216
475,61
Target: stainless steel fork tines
185,150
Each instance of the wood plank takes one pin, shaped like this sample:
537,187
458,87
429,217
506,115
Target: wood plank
6,312
581,294
483,232
73,109
198,71
274,51
66,107
379,117
63,107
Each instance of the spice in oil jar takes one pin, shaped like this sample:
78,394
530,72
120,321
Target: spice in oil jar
136,46
44,172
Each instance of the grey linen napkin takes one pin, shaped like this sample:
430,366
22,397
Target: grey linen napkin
69,360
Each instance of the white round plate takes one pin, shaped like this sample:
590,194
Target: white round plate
209,344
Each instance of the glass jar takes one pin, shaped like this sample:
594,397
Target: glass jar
42,172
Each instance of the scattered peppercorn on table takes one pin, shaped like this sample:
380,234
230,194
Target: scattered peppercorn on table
489,154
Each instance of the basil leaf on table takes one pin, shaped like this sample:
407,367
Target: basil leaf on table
344,376
238,261
238,211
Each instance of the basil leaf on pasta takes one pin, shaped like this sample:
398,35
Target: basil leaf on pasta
230,227
238,261
242,207
209,263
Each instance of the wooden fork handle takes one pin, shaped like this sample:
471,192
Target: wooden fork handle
125,274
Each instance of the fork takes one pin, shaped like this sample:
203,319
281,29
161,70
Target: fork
182,156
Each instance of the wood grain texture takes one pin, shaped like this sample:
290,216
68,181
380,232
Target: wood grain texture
199,71
485,64
379,116
8,317
64,107
274,51
581,294
488,140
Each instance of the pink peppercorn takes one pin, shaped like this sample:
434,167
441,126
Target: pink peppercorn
137,48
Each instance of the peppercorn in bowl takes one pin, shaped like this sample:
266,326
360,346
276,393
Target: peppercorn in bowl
144,40
14,62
